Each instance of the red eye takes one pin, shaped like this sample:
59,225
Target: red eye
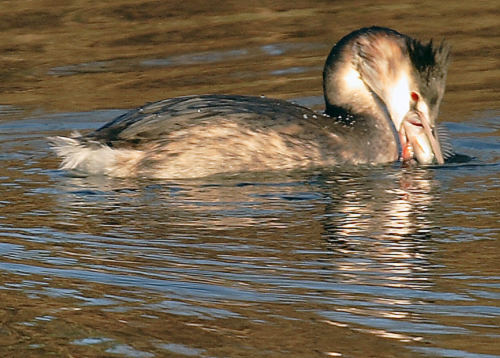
414,96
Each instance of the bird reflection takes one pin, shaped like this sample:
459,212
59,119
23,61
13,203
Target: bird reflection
378,228
380,224
354,245
394,207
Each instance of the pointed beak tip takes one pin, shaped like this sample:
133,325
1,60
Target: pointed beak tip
433,140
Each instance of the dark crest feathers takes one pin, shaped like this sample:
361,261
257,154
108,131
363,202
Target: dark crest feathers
430,61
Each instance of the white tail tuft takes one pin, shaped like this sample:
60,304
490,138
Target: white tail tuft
91,158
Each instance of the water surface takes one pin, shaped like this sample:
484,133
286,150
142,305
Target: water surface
384,261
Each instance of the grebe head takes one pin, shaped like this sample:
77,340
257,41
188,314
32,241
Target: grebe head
379,72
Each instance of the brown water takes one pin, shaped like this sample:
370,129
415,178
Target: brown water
367,262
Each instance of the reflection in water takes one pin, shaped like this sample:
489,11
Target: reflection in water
376,232
380,219
375,223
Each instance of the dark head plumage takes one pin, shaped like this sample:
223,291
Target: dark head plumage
430,63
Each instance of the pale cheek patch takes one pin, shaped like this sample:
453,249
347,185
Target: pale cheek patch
399,100
352,80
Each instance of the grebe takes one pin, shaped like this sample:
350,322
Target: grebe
382,92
